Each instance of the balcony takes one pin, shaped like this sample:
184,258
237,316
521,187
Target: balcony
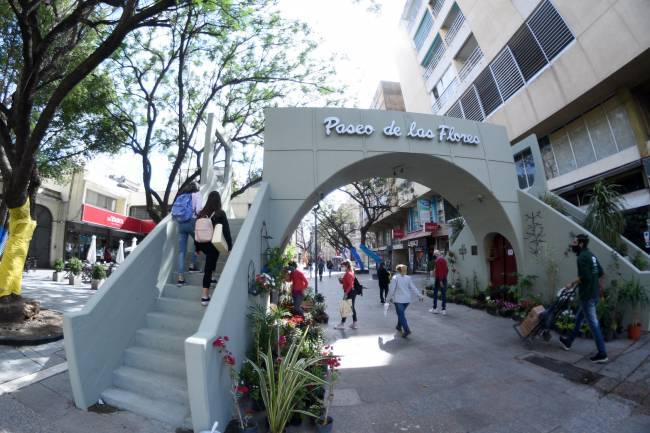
435,59
471,63
436,6
454,27
450,94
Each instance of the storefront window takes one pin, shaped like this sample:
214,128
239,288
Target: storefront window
100,200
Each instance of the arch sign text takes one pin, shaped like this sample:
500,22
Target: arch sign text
444,133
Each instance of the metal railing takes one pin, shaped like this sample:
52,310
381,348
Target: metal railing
436,6
435,59
448,94
471,62
454,28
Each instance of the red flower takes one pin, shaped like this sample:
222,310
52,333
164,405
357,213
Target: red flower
226,338
241,389
282,340
229,359
219,342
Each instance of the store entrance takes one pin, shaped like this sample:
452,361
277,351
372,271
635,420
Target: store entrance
39,247
503,265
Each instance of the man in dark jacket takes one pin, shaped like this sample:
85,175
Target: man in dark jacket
383,276
588,282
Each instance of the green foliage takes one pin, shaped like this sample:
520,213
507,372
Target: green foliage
59,265
639,261
553,201
75,265
457,225
634,295
277,261
281,381
604,216
99,272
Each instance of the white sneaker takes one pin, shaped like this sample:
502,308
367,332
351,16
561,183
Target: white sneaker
354,325
339,326
433,310
444,312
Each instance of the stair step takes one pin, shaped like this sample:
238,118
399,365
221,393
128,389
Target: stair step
171,412
153,385
180,307
162,339
173,322
190,292
196,278
166,363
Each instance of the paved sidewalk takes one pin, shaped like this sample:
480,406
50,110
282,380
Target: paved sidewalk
468,372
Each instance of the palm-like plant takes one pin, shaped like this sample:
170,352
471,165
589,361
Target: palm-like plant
604,216
281,379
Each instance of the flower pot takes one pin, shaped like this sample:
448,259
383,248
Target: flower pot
74,280
58,276
96,284
327,428
634,331
250,428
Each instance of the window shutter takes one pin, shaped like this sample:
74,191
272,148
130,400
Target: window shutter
506,74
527,52
455,111
487,91
550,29
471,105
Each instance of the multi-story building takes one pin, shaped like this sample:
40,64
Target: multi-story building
574,73
388,97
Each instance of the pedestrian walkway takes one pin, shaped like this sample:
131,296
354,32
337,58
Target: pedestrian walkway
468,372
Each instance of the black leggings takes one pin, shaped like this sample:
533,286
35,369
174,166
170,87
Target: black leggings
211,257
351,295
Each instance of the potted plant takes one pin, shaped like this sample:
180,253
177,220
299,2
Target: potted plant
74,275
325,423
59,266
245,424
98,276
282,378
634,295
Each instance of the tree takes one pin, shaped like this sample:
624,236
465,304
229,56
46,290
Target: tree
376,196
236,57
335,226
61,43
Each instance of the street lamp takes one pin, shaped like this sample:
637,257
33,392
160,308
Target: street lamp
316,247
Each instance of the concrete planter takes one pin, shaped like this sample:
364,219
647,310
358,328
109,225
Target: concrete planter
74,280
58,276
327,428
96,284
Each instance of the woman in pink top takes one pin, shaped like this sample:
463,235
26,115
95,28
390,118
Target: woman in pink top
347,281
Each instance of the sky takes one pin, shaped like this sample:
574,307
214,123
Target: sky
362,39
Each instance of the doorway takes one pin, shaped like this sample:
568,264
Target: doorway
39,247
503,264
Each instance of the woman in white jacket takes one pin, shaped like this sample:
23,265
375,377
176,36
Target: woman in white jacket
400,293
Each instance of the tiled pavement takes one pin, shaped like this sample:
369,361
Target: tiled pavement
465,372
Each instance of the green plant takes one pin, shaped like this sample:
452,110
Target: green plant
99,272
281,379
553,201
475,285
633,294
59,265
457,225
639,262
604,216
76,266
277,261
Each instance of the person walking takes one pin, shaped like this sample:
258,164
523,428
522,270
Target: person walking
590,273
321,267
441,270
330,266
347,282
184,211
213,211
383,277
108,257
400,293
298,285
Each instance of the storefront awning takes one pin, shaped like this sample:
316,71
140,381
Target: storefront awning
112,220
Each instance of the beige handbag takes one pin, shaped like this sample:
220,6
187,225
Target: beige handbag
345,307
218,241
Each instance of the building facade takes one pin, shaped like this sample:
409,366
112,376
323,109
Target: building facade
574,73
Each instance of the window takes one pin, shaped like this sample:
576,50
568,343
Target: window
444,82
100,200
423,30
433,56
525,167
599,133
537,42
139,212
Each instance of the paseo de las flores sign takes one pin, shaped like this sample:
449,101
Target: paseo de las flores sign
443,133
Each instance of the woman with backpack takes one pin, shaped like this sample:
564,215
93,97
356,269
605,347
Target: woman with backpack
208,218
184,212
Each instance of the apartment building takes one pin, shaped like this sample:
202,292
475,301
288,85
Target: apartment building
575,73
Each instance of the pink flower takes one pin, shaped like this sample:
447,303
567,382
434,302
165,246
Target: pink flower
282,340
219,342
241,389
229,359
226,338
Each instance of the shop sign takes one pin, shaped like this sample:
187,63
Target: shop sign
95,215
398,233
431,227
441,133
413,243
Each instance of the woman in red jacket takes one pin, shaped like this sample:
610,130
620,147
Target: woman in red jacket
347,281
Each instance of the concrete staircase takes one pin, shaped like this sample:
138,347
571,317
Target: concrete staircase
152,378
